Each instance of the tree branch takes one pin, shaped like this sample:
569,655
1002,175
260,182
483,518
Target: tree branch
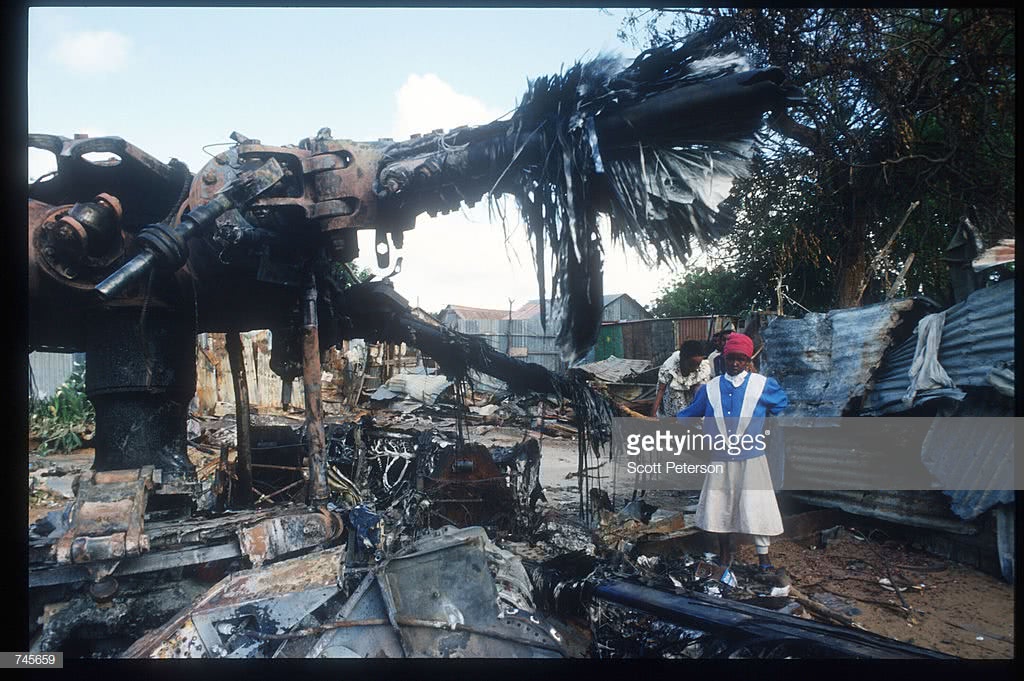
782,123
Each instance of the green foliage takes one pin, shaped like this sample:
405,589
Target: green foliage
62,422
338,271
905,105
704,292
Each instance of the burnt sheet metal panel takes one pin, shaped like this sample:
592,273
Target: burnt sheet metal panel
551,361
978,334
826,360
914,508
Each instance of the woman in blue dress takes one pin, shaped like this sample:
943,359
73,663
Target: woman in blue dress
741,500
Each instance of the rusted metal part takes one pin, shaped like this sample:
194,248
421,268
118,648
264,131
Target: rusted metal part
78,243
316,447
467,488
326,181
165,246
146,187
243,462
107,517
277,537
153,561
268,497
342,173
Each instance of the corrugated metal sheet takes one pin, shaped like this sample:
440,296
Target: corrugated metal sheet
49,370
977,335
965,452
615,369
825,360
636,341
552,362
663,341
826,458
425,389
609,342
914,508
650,339
693,328
523,333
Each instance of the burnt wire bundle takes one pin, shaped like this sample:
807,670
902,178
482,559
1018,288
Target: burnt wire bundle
656,146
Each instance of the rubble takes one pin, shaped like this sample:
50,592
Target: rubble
337,582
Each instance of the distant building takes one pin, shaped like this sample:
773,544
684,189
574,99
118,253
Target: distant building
519,333
620,307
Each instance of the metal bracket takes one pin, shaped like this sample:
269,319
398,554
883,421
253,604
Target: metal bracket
107,517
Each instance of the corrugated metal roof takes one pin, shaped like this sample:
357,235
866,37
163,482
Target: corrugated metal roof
825,360
465,312
977,335
425,389
528,311
615,369
532,309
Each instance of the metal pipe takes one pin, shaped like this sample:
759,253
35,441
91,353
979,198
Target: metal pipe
131,271
316,448
740,621
243,464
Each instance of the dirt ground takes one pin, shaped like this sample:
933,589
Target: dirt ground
959,610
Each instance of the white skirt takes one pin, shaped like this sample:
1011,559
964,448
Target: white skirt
740,500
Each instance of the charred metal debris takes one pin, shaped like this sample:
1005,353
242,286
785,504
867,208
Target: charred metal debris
353,539
424,549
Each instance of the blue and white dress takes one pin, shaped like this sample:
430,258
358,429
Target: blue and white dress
742,499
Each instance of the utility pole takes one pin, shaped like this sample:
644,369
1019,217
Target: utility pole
508,331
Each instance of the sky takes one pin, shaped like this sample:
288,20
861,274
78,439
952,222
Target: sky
171,80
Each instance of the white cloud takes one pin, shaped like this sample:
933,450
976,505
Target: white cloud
425,103
462,258
92,51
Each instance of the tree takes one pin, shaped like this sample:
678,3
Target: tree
362,274
704,292
904,106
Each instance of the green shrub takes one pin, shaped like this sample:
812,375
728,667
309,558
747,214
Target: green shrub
63,421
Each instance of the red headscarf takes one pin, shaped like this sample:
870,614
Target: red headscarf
740,344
